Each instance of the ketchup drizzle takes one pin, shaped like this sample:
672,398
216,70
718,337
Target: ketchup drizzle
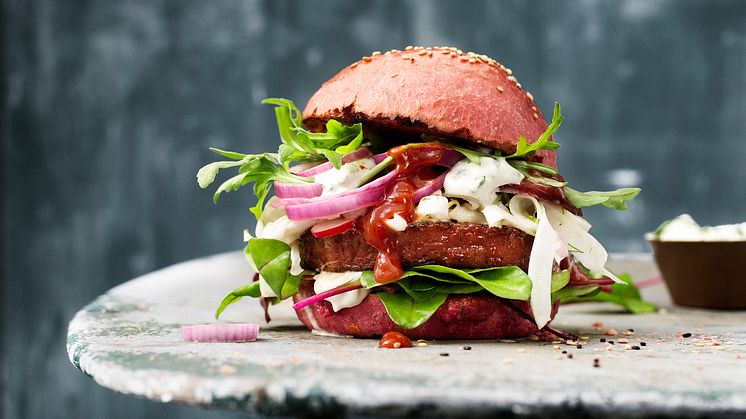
414,164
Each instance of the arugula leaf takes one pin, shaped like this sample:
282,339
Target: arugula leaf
230,154
301,145
298,145
473,155
613,199
625,295
531,165
272,259
408,313
542,143
524,167
261,169
249,290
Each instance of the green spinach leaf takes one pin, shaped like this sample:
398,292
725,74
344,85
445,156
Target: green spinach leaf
272,259
249,290
408,313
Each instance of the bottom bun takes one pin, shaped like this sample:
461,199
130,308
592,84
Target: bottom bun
469,316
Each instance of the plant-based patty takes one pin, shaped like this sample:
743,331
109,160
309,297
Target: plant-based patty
458,245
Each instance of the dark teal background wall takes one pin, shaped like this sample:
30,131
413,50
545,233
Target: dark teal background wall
108,108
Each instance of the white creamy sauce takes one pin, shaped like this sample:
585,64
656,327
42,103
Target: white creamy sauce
478,183
284,229
324,281
344,179
683,228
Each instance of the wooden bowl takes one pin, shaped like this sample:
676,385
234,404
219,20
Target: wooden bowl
703,274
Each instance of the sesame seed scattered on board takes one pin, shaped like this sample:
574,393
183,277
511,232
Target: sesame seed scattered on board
375,53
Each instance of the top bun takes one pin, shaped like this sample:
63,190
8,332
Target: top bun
438,91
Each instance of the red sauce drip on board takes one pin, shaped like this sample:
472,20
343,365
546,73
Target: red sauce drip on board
394,340
414,164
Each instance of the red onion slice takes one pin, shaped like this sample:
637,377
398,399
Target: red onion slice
430,188
358,154
336,205
234,332
381,181
324,295
297,190
450,158
379,157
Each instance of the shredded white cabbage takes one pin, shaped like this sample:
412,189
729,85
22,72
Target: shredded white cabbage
396,223
541,262
464,213
433,207
324,281
573,230
295,268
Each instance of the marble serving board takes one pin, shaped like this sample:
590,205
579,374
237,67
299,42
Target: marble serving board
129,340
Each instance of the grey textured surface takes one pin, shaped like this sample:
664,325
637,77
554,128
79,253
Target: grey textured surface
108,108
129,340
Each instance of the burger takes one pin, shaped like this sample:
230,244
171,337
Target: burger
418,192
